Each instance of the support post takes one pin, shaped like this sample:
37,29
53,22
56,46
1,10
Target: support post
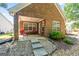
16,32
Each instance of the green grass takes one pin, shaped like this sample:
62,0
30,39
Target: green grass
9,35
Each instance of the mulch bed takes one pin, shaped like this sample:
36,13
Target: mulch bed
62,45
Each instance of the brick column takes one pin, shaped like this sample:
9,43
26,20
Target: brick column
16,31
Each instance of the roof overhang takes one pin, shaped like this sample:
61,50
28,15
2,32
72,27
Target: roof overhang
18,7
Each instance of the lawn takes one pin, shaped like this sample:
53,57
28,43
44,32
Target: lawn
5,36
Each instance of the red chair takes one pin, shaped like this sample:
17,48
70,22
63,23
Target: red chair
22,31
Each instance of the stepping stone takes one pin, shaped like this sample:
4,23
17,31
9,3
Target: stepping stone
34,41
38,49
37,45
40,52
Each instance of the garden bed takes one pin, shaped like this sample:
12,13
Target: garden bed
65,49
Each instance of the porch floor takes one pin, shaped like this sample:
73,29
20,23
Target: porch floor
31,37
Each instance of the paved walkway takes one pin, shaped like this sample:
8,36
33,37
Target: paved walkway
21,48
24,46
49,47
31,37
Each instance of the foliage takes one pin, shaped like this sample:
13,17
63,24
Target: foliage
3,5
75,25
71,11
68,41
56,35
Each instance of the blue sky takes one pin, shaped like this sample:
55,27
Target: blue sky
11,5
5,11
62,5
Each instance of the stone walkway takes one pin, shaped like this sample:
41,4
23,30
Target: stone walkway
38,48
49,47
24,46
3,50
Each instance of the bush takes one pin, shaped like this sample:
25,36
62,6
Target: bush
68,41
56,35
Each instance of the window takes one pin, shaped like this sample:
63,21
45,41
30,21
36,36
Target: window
29,27
56,26
34,27
26,26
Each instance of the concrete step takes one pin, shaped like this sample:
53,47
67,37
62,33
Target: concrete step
38,49
35,41
36,45
40,52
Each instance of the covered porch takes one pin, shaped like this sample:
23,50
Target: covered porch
31,25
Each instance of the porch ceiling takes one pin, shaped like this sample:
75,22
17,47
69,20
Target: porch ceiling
29,19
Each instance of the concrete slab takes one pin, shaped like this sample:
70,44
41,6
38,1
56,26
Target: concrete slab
40,52
37,45
34,40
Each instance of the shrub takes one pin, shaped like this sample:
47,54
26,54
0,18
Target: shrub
68,41
56,35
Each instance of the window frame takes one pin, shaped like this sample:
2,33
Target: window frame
56,25
33,25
